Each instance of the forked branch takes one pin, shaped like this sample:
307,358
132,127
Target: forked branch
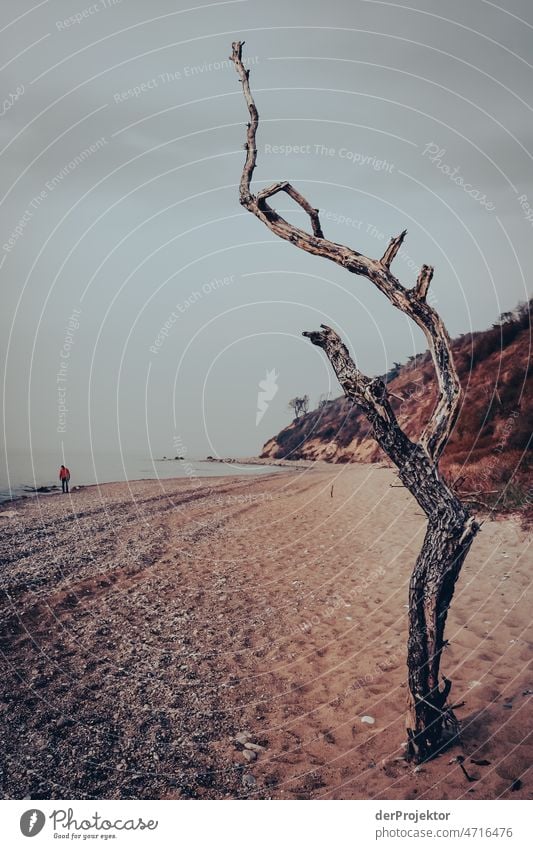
410,301
295,195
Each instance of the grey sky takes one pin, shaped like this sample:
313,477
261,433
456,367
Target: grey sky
138,228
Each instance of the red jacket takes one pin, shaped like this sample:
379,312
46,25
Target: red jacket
64,474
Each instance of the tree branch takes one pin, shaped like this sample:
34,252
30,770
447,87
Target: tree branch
422,284
392,249
251,150
415,469
369,393
410,301
295,195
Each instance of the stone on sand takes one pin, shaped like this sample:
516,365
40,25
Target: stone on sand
254,747
242,737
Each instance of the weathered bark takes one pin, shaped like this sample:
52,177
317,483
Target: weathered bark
430,722
450,529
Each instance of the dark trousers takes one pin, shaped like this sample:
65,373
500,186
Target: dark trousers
64,484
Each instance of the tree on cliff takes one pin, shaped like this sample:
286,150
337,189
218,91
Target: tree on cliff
299,405
450,529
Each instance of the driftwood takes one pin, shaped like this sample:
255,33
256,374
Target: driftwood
450,529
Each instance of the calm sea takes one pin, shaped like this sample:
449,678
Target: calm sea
22,473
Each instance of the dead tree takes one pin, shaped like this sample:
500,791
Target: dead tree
450,529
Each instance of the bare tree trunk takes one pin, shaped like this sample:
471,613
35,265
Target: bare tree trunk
430,722
450,529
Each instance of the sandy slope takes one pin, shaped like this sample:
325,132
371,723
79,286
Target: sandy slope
143,626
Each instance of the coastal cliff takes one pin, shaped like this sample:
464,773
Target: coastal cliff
490,448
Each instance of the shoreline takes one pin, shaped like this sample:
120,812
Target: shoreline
54,489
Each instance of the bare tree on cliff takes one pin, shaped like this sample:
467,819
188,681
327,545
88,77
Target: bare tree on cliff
450,529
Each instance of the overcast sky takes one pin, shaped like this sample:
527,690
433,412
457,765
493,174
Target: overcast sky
121,141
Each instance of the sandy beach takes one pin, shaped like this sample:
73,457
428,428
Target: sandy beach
224,638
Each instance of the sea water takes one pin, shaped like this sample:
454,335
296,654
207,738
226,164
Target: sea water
20,474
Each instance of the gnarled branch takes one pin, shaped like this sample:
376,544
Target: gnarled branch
412,302
369,393
415,469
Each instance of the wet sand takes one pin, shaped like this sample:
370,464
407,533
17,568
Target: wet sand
224,637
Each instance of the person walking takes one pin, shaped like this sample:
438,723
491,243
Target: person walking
64,477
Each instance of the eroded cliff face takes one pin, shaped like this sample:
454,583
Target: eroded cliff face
491,443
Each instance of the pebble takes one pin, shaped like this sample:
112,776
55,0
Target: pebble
242,737
248,755
369,720
254,747
248,780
